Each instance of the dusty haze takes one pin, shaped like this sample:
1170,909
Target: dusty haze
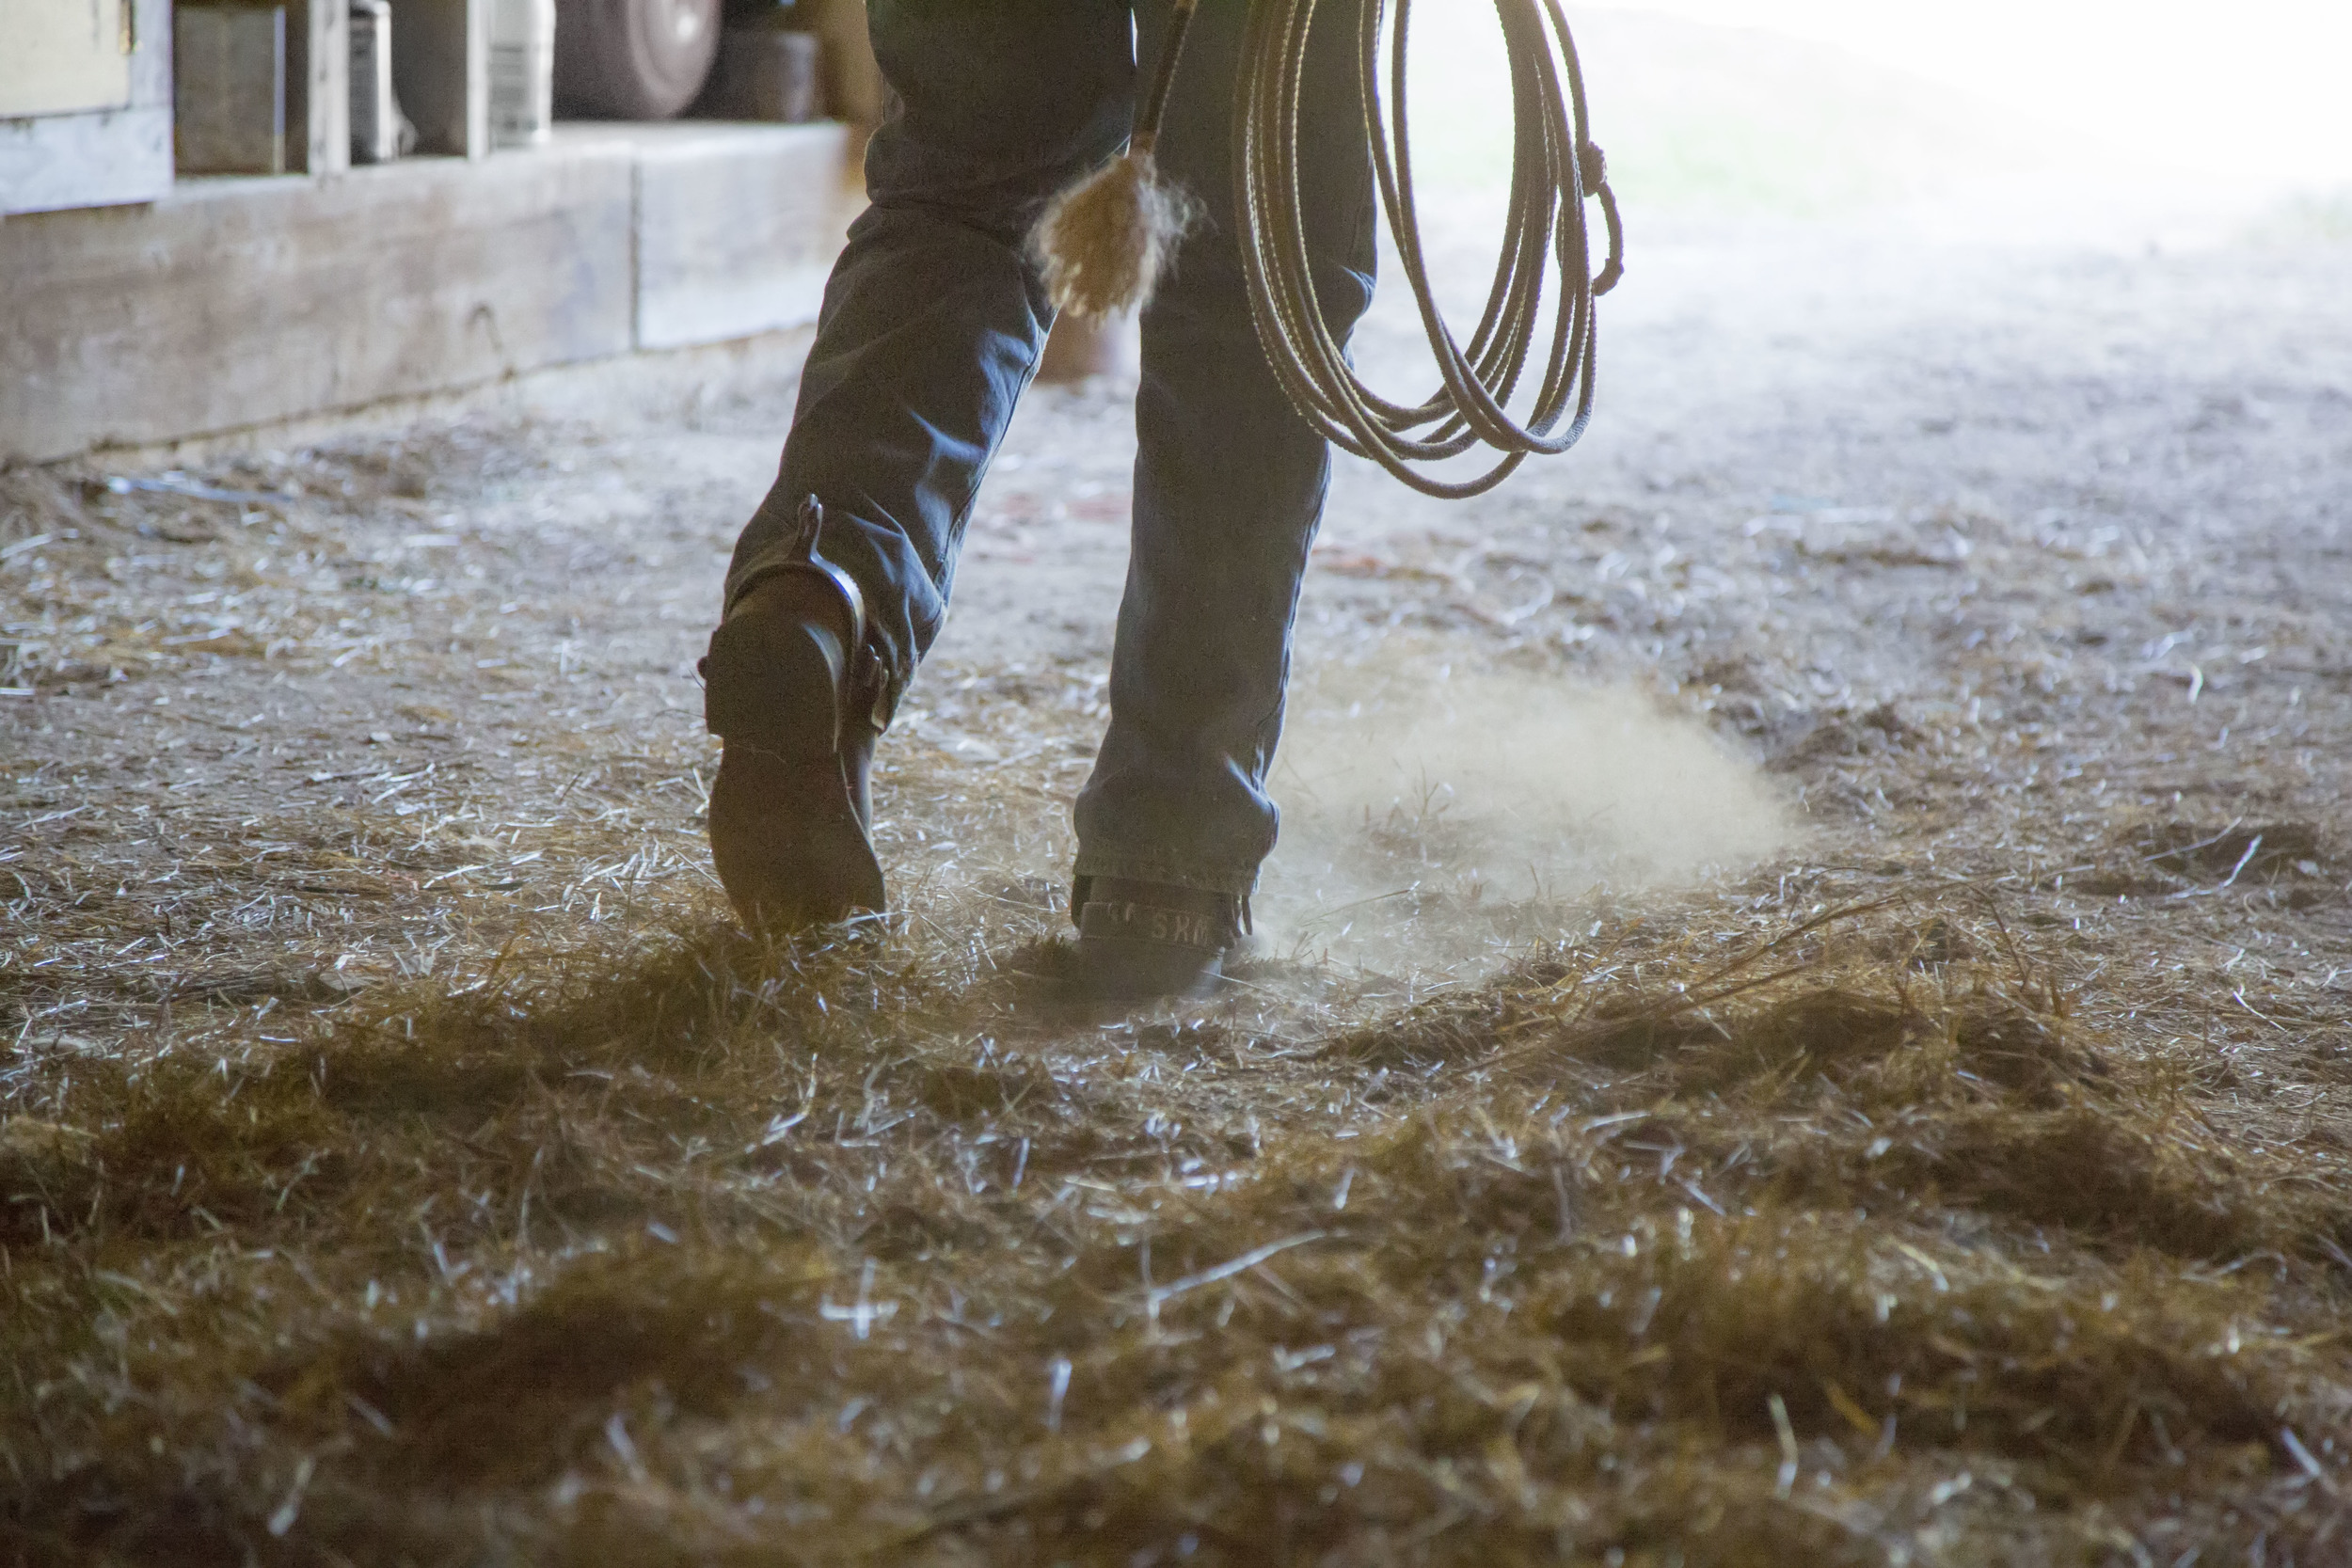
1425,803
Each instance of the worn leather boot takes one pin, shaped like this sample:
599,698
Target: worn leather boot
792,689
1138,941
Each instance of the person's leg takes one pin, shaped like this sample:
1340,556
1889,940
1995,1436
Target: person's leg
931,324
934,319
1229,488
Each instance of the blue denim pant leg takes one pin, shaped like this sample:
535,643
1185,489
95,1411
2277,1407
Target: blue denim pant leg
1228,489
931,325
934,320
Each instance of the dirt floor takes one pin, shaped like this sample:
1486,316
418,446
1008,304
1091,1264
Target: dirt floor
1799,1012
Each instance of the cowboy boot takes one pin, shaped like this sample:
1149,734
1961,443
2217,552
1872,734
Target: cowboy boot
792,689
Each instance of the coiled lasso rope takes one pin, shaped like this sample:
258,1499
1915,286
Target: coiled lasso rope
1103,242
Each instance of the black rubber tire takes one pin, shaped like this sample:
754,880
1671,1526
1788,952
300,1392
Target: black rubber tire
632,59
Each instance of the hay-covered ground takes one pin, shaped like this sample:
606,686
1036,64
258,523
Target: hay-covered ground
404,1161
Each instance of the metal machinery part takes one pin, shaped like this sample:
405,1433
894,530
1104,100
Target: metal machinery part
634,59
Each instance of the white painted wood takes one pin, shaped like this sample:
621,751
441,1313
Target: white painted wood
64,56
318,88
83,160
101,158
150,59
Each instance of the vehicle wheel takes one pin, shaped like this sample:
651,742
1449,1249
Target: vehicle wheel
632,59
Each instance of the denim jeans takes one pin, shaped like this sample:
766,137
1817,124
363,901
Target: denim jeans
932,324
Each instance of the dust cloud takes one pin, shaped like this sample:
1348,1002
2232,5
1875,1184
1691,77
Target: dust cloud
1432,814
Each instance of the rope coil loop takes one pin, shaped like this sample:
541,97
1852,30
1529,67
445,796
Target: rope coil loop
1554,170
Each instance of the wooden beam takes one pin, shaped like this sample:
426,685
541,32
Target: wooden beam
318,86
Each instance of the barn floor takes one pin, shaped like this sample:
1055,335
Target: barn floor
1804,1009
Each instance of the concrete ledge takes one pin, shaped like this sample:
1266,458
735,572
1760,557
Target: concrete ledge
682,386
736,225
232,304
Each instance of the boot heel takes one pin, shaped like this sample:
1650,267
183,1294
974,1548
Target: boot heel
775,684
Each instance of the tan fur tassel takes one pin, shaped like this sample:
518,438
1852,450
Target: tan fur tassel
1105,243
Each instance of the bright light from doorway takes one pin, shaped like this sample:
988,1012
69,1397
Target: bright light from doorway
2260,88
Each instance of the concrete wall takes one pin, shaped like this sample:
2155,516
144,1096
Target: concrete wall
235,302
737,227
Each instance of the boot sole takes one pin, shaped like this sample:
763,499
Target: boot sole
785,830
1110,969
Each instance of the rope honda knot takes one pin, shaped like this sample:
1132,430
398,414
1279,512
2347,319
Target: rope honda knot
1592,167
